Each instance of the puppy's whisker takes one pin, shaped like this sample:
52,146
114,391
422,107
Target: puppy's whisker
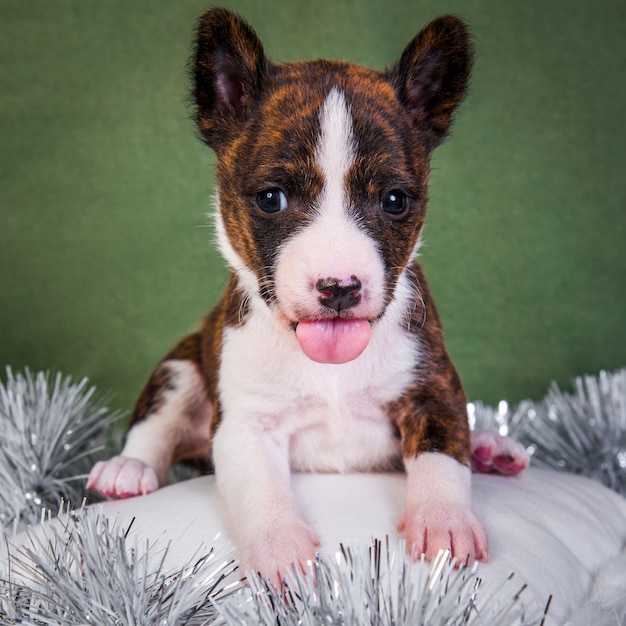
419,306
243,306
302,215
267,289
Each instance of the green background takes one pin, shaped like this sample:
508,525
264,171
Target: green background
106,251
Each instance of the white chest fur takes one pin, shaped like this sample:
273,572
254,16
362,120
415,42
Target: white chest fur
331,417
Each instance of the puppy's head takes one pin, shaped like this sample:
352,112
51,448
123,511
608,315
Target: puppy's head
322,171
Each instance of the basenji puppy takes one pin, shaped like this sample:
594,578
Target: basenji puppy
325,353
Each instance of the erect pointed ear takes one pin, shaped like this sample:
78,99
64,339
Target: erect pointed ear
432,75
229,72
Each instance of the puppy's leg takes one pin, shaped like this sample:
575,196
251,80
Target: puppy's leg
253,475
435,438
171,422
493,453
438,513
431,418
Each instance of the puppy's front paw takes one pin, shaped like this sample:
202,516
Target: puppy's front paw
432,527
122,477
493,453
270,554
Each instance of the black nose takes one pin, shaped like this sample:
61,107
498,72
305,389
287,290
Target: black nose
339,295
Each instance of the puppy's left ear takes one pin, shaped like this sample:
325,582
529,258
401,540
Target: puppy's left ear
432,76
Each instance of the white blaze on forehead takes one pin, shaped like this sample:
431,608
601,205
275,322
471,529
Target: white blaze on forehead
335,150
332,244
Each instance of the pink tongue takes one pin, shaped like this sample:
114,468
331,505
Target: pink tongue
333,341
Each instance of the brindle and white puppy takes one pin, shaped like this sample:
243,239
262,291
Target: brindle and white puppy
326,352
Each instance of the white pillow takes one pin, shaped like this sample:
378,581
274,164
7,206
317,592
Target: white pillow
557,532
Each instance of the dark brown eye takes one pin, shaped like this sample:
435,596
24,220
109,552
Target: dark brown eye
271,201
394,202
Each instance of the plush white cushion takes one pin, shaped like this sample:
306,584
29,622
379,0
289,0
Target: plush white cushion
556,532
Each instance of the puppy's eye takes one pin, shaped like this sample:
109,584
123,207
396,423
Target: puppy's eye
271,201
394,202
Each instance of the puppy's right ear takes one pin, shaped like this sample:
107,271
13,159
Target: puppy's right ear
229,72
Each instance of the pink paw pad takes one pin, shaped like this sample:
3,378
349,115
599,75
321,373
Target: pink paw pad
493,453
122,477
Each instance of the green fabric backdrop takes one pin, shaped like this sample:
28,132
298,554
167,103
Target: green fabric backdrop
106,254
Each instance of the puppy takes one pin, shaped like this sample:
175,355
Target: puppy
325,353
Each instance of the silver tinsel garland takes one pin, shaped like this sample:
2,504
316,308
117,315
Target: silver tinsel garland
51,434
378,586
84,569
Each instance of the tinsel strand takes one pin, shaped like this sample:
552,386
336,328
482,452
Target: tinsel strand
51,435
84,568
377,586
